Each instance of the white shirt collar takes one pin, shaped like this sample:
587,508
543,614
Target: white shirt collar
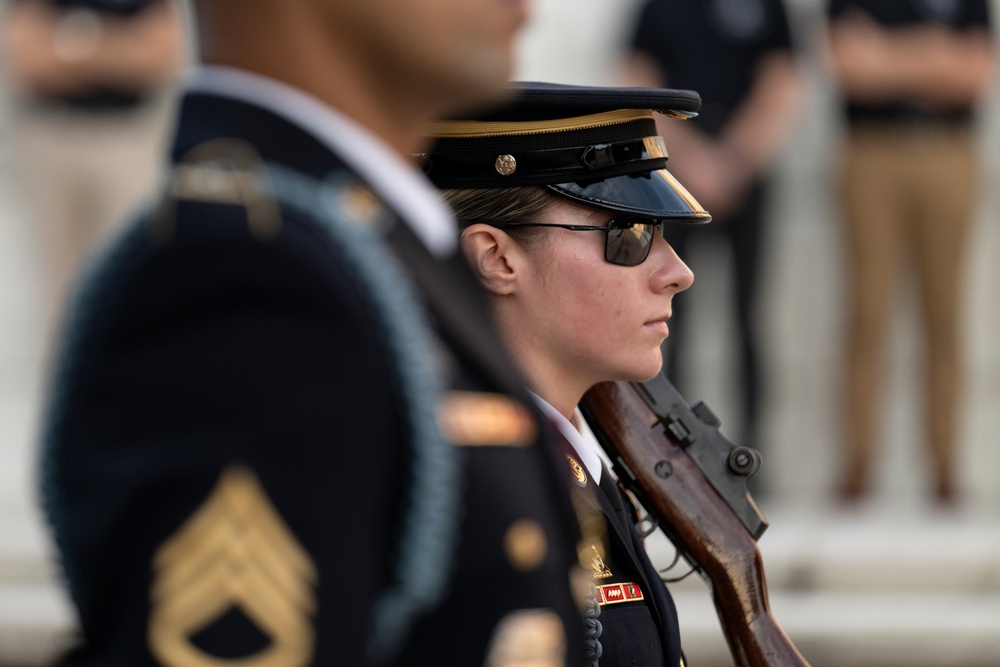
583,441
397,182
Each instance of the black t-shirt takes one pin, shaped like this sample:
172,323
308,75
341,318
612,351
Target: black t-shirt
122,7
959,14
711,46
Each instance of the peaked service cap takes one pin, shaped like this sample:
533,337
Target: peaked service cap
596,146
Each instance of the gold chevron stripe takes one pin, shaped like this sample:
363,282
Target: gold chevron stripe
235,551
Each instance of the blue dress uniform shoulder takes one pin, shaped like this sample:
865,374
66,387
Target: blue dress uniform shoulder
230,195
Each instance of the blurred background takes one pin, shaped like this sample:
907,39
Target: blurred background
894,578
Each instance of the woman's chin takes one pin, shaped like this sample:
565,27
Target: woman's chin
646,372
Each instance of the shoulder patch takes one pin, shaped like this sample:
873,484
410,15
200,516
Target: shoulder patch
223,171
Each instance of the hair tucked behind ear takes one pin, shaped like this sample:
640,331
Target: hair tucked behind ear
525,204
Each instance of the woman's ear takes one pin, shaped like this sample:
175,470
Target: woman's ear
489,252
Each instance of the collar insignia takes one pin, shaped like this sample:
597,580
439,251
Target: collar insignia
234,552
576,468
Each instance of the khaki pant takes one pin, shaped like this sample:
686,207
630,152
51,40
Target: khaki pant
80,176
908,200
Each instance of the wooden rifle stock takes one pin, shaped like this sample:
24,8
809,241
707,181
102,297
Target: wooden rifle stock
667,460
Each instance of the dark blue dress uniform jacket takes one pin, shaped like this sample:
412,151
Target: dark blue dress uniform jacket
209,349
636,629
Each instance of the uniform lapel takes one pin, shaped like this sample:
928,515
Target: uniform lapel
612,505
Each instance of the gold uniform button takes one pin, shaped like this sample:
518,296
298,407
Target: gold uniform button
360,205
528,638
525,545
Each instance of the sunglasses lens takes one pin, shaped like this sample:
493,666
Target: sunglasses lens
629,240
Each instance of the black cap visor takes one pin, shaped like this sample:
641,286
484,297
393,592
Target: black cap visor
654,194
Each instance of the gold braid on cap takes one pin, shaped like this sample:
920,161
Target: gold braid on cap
476,128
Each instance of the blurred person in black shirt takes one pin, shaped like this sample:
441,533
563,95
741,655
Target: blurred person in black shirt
738,55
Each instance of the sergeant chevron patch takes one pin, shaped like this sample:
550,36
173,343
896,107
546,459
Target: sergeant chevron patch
234,552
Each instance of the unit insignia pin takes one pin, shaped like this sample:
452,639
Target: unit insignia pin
601,570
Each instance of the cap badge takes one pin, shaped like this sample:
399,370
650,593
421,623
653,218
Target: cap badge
234,552
579,474
506,165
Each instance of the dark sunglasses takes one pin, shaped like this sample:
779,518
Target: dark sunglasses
627,243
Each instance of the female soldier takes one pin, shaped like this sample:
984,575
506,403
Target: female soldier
562,194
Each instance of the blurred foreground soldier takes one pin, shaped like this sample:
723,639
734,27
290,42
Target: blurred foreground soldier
911,73
562,196
283,431
92,80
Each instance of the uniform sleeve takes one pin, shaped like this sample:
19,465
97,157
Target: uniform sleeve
225,367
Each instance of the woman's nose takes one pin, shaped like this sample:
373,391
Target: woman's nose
671,272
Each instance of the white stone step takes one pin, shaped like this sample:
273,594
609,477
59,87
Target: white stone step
870,588
878,586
